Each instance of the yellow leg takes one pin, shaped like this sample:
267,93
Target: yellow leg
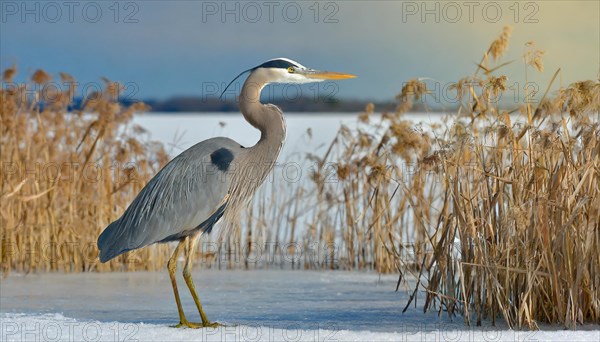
187,275
172,266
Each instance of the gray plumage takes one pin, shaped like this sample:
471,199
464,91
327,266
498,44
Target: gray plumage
185,196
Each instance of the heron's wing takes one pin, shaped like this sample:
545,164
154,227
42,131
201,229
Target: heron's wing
188,194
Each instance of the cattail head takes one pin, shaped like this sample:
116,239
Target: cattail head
533,57
503,131
342,171
413,89
9,74
500,45
364,117
40,77
497,84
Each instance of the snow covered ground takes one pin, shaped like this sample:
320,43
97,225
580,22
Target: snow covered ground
258,305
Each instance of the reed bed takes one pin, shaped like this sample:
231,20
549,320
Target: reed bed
494,212
67,173
492,218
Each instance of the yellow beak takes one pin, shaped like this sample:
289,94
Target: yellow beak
329,75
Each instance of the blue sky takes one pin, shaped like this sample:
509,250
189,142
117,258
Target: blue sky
167,48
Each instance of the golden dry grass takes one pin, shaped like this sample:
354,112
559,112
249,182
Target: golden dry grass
499,218
66,175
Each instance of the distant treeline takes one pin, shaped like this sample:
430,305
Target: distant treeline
309,104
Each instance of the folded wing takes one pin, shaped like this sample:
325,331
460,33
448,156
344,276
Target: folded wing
187,195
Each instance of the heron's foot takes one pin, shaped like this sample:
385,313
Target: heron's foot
212,325
193,325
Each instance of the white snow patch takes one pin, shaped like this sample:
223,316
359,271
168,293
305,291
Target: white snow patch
56,327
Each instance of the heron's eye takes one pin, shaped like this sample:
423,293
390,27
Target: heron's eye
291,70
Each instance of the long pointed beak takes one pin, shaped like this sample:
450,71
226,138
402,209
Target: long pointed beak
327,75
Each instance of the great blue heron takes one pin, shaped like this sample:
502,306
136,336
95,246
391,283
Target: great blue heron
207,181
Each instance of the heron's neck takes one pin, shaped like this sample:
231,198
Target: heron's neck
268,119
258,160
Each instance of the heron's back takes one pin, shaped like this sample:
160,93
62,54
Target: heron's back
186,196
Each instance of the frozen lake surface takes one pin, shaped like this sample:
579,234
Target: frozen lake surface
180,131
258,305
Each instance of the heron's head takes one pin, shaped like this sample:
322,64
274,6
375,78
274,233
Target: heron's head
284,70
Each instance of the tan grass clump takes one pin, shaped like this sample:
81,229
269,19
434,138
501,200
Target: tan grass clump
66,174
